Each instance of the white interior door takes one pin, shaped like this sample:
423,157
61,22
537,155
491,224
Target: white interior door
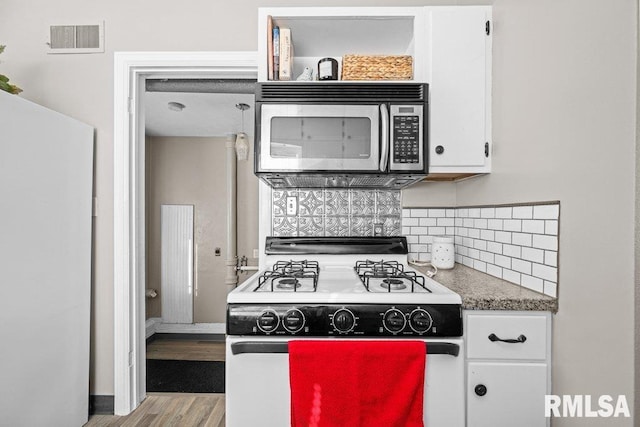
176,276
46,175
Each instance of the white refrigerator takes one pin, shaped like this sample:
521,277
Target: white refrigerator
46,179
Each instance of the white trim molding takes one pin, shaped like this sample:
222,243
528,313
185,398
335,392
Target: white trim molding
130,71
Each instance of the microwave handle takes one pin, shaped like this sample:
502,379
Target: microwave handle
384,127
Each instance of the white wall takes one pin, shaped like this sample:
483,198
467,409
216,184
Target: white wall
564,123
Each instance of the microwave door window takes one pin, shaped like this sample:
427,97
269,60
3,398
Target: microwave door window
321,138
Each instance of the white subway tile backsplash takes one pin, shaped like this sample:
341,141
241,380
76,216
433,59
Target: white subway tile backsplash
425,239
546,211
532,283
487,257
545,272
551,289
516,243
495,224
480,244
521,266
445,222
428,222
487,235
488,212
419,213
533,226
511,276
504,212
408,222
480,266
419,230
521,239
512,225
437,231
494,271
503,237
494,247
523,212
437,213
480,223
503,261
551,258
545,242
512,251
534,255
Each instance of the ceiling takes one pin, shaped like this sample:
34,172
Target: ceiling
205,114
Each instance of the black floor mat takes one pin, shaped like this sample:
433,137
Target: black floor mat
185,376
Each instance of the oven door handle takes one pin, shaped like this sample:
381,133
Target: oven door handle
266,347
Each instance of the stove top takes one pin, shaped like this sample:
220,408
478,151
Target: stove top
352,287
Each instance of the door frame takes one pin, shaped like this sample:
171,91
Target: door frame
131,69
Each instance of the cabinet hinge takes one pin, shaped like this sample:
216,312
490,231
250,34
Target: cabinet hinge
130,105
94,207
487,27
486,149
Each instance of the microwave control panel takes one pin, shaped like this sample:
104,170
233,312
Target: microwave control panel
406,137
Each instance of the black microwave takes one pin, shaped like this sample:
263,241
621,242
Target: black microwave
341,134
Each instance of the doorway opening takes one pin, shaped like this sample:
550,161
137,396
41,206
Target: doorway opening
132,71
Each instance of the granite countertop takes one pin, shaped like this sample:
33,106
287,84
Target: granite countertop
480,291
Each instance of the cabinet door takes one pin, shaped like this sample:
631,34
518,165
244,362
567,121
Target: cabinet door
514,394
459,89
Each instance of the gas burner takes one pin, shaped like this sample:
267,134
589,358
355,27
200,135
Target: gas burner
395,284
288,284
290,276
389,275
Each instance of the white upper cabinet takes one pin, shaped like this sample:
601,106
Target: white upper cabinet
460,89
451,51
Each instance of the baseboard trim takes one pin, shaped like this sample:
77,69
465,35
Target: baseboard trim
100,405
154,325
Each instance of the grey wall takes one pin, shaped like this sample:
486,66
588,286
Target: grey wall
564,122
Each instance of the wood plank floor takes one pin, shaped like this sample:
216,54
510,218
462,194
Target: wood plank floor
173,349
170,409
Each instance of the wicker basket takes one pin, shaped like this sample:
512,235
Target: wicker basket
377,67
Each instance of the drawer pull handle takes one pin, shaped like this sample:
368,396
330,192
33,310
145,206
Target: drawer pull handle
520,339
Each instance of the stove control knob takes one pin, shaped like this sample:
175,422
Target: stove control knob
293,320
268,321
420,320
394,320
344,320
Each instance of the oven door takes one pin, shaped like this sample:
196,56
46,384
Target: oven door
310,138
257,382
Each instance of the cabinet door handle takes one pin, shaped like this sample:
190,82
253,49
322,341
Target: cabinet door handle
520,339
480,390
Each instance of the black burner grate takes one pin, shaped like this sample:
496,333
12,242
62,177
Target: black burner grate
394,278
288,276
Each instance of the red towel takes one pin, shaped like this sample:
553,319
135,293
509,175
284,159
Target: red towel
343,383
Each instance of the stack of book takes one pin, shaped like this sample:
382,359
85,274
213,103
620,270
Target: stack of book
279,52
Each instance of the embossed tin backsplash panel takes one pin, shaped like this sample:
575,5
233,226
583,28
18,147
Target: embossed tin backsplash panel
339,212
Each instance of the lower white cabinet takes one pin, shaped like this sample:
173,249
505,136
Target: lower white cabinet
508,368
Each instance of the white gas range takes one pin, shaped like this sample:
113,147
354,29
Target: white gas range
337,288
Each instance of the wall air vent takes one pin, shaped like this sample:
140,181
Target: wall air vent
76,38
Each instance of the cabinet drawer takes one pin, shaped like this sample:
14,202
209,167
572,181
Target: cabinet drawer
531,329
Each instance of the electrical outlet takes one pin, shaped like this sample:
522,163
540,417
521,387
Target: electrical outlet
255,253
292,205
